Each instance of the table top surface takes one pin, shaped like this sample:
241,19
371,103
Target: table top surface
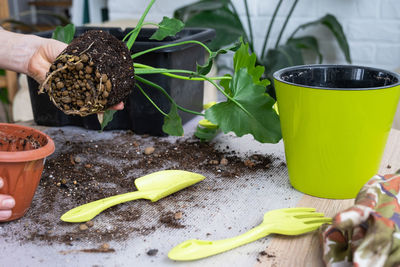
233,208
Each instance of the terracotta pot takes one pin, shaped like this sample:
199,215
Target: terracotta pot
22,154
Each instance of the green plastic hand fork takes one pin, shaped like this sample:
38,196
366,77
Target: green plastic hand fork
292,221
153,186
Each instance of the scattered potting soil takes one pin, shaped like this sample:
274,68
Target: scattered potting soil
84,169
93,73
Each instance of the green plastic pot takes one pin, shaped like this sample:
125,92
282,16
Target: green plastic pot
335,122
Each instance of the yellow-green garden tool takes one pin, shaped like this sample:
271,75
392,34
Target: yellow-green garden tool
153,186
291,221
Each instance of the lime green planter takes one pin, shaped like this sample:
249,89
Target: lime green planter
335,122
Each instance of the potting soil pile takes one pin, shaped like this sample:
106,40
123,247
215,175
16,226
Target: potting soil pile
244,179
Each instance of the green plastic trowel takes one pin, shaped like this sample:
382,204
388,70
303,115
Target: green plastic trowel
153,187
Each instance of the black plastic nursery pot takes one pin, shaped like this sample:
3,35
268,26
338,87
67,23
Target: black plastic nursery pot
139,115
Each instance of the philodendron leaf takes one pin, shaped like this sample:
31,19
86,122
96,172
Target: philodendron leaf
167,27
251,111
107,117
64,34
335,27
205,69
243,59
173,123
248,109
307,42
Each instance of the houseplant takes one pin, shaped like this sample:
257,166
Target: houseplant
244,90
22,154
139,115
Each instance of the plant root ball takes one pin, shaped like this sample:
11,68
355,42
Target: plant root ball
92,74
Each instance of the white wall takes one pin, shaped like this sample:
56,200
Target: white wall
371,26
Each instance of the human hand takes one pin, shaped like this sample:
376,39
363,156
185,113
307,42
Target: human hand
6,204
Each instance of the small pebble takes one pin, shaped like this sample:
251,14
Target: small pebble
178,215
214,162
77,159
224,161
149,150
89,223
83,227
249,163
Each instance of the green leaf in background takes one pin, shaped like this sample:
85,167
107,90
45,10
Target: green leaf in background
167,27
307,42
64,34
227,26
205,134
187,11
107,117
173,122
334,26
251,111
282,57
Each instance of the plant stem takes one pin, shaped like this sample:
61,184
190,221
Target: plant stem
285,23
145,81
151,70
270,28
195,74
198,75
249,21
171,45
134,33
151,101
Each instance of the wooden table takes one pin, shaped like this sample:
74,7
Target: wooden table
306,250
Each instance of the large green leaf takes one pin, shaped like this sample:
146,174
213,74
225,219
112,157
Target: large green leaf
248,109
187,11
167,27
251,111
227,26
64,34
335,27
173,123
284,56
243,59
307,42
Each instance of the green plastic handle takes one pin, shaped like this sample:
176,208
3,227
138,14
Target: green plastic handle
88,211
197,249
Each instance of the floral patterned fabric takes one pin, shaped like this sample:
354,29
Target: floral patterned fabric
367,234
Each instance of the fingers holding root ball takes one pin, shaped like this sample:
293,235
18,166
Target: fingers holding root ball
6,204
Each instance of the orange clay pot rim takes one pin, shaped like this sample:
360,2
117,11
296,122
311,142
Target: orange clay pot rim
29,155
